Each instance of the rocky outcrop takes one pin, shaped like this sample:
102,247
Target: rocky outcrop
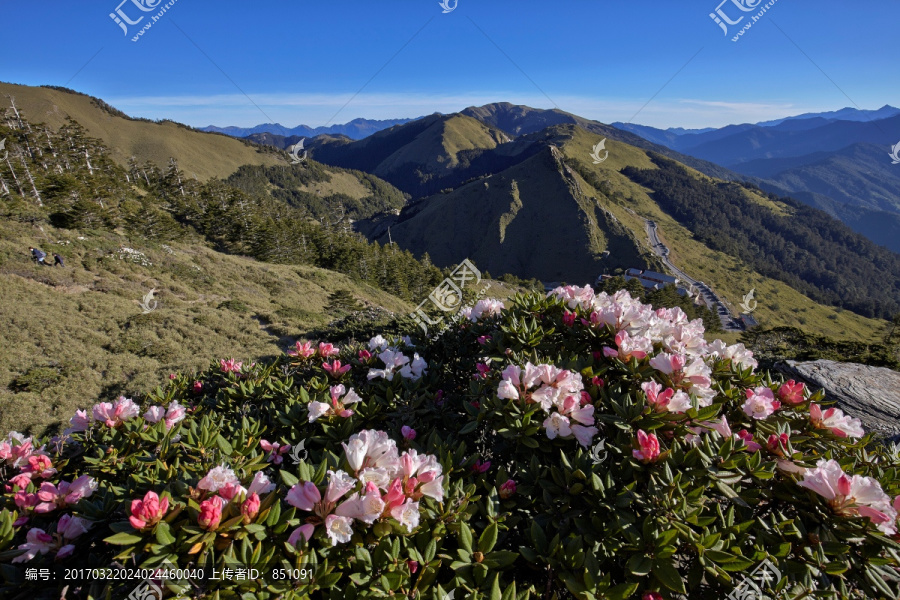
871,394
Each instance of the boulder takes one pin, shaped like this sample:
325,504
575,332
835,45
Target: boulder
871,394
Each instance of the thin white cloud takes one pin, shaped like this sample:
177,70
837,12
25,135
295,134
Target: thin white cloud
315,109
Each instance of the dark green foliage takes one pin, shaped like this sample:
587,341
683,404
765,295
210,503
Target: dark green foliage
808,249
341,302
789,343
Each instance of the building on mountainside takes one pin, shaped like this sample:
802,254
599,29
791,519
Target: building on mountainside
656,281
748,321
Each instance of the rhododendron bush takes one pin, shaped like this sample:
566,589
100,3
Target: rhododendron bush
569,446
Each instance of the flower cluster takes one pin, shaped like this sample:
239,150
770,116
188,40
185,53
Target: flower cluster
380,484
338,407
38,541
852,496
559,392
306,350
229,496
171,416
396,362
488,307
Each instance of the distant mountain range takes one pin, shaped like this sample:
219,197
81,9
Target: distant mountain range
356,129
837,161
517,190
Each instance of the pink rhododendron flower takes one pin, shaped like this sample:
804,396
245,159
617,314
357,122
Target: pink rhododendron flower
39,465
217,478
197,387
302,350
665,401
851,496
339,529
230,365
326,350
37,541
791,393
407,514
481,467
260,484
250,508
778,444
408,433
835,421
365,355
484,339
760,403
629,347
649,447
573,296
304,496
507,489
366,508
210,513
59,496
413,566
306,531
70,527
338,406
568,319
275,451
747,437
487,307
117,413
21,481
483,370
651,596
80,422
149,511
335,368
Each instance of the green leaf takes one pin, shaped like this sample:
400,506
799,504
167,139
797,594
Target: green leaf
488,538
621,591
288,478
539,538
124,539
224,446
668,576
465,537
640,564
163,534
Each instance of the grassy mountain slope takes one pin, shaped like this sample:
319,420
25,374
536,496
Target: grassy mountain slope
74,334
730,277
529,220
411,156
201,155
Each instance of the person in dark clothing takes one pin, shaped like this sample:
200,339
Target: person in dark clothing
58,261
39,256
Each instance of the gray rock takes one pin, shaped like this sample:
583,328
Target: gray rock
871,394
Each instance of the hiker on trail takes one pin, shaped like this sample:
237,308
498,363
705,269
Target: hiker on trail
39,256
58,261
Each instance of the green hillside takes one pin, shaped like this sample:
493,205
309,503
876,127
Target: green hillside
201,155
416,156
75,334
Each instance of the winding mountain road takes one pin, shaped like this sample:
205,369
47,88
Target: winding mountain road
729,321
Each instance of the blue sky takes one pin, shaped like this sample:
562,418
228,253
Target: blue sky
248,62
